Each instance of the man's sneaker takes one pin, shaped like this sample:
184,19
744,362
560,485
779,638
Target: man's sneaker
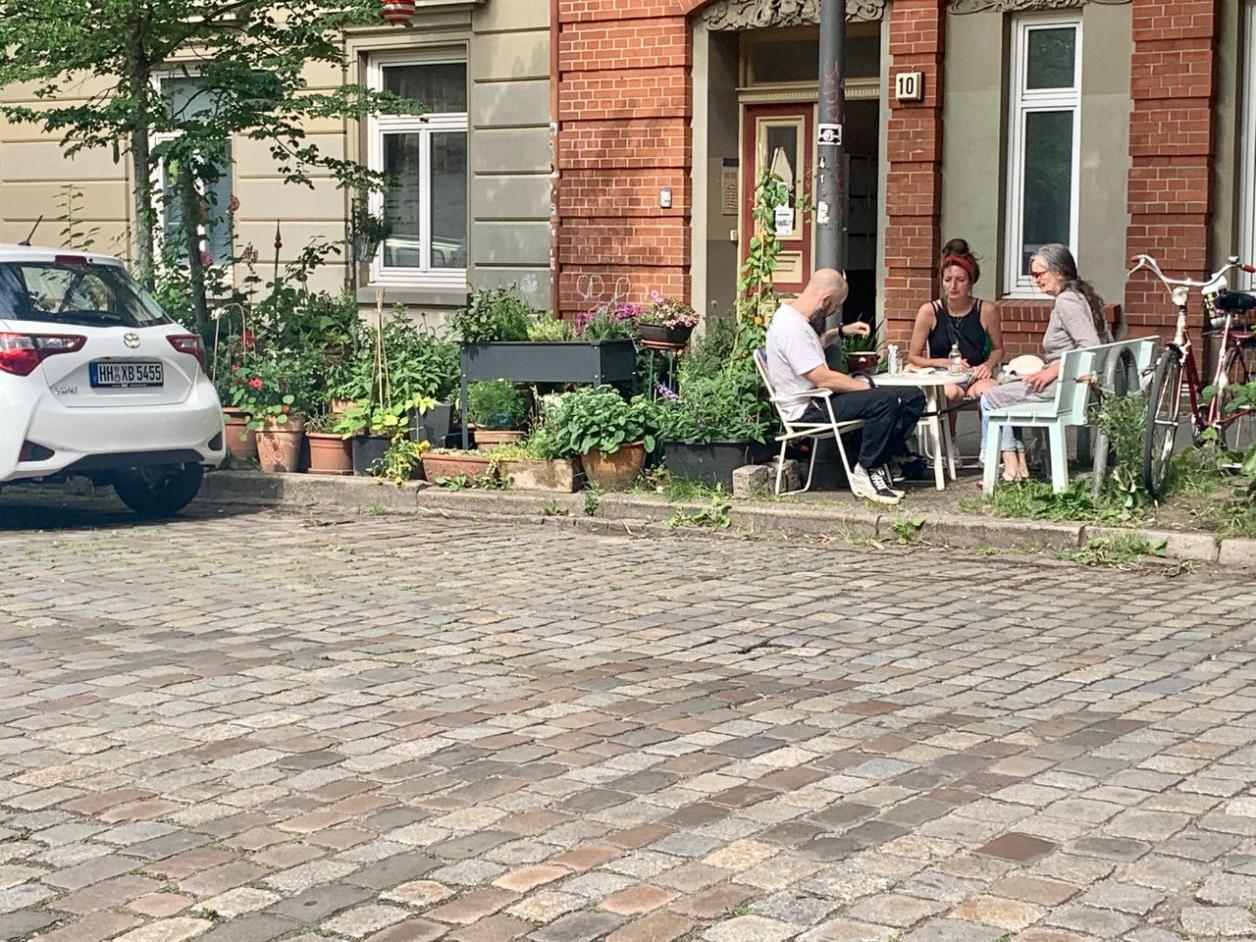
862,484
884,479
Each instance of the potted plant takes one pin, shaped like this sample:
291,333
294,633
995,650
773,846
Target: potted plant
497,409
276,390
401,462
372,430
666,321
330,451
610,435
862,354
715,425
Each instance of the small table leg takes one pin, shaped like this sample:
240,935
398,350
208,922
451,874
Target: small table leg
936,424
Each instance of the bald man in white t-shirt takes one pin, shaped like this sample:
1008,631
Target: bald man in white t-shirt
796,364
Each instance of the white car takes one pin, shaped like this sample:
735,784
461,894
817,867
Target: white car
96,380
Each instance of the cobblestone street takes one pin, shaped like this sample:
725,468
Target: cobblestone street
261,727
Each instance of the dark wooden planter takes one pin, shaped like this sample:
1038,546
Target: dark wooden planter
568,361
714,462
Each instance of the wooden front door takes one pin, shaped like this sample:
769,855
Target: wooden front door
780,137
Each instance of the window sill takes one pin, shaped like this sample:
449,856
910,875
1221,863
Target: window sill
413,295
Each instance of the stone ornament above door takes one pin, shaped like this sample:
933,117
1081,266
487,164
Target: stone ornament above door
1020,6
759,14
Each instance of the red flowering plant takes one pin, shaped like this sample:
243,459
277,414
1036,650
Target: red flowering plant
276,388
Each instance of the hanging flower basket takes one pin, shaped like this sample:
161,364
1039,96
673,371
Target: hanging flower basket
397,12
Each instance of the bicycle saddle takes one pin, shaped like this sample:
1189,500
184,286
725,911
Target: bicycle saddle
1235,301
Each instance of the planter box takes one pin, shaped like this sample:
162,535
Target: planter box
489,438
568,361
528,474
712,463
471,464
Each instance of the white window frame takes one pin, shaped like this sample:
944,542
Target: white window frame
1025,101
157,183
425,125
1247,147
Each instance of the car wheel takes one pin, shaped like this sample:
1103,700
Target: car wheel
158,491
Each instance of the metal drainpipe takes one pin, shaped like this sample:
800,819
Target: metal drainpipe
555,174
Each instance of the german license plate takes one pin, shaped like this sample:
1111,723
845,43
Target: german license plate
127,375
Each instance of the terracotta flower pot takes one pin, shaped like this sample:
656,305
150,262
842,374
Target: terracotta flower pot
863,361
329,454
616,471
457,463
241,441
338,407
279,444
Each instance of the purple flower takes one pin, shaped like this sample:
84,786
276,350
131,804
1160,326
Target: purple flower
665,392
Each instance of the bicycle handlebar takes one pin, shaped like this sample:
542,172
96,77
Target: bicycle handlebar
1149,263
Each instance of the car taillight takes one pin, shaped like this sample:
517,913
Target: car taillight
20,354
189,344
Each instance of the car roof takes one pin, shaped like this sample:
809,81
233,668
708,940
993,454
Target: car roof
40,253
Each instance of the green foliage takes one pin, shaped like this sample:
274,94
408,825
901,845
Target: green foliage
677,490
599,417
293,317
274,387
1124,420
551,330
1121,551
592,498
907,529
756,291
713,517
496,405
612,320
461,482
725,406
400,462
708,353
1037,500
493,316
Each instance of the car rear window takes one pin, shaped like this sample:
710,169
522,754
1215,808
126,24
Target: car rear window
72,292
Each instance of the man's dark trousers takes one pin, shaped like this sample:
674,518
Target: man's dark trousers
889,415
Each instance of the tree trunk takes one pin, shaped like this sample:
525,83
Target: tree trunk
139,77
190,202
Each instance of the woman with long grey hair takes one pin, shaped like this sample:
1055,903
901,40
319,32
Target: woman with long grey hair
1076,322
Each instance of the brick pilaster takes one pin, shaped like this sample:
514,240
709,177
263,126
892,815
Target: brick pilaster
624,100
913,197
1173,86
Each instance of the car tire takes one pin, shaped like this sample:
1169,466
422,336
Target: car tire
158,491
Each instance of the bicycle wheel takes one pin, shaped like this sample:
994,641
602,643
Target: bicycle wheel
1238,435
1163,407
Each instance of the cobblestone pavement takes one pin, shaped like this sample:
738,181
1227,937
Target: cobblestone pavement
267,727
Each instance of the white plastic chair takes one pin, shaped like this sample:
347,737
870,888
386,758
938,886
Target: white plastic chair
795,429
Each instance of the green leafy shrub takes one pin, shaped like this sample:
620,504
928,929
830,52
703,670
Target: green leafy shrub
496,405
599,417
493,316
726,406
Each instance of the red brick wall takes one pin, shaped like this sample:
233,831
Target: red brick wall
1173,86
914,152
624,94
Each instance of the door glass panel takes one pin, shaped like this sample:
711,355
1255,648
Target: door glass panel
402,210
1051,58
1048,176
782,151
449,200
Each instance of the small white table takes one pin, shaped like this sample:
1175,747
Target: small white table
933,386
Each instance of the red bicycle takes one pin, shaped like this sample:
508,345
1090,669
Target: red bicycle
1226,318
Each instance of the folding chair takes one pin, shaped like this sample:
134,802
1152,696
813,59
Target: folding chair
795,430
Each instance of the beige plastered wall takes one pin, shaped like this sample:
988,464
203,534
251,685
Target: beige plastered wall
975,123
1232,98
507,48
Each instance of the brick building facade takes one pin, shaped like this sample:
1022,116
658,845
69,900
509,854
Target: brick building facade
1159,166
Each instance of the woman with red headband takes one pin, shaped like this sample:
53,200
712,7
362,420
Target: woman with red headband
959,319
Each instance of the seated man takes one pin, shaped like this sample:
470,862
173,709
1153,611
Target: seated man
795,361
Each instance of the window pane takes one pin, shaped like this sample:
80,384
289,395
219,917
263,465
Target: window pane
1048,179
402,202
215,195
1051,57
449,200
440,86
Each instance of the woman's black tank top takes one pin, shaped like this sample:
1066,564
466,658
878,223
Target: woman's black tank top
965,331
